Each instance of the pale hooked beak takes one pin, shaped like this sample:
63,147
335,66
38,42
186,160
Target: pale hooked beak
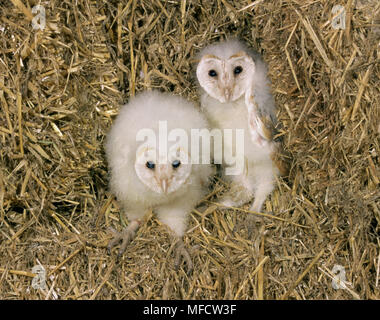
228,85
164,185
227,94
163,176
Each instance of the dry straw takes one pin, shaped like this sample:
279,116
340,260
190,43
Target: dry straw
61,87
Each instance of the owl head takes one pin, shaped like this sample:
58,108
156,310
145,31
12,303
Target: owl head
163,174
225,71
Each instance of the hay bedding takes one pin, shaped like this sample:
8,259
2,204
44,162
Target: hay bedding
61,87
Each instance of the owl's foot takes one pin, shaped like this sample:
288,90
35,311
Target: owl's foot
181,252
237,196
252,223
229,202
125,236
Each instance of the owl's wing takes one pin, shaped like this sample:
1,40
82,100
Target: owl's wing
262,127
262,121
260,103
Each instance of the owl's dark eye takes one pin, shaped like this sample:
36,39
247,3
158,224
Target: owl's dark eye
212,73
176,164
150,165
238,70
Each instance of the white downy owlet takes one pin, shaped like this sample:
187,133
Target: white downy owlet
235,94
150,169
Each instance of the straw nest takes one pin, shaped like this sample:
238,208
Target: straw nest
61,87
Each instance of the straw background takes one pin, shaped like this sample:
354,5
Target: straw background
61,87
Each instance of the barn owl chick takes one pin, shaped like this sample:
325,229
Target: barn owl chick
235,94
150,164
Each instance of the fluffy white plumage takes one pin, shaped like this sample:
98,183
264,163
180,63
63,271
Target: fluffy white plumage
235,94
138,180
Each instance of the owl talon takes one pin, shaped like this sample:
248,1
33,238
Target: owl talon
236,196
228,201
181,251
125,237
251,223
